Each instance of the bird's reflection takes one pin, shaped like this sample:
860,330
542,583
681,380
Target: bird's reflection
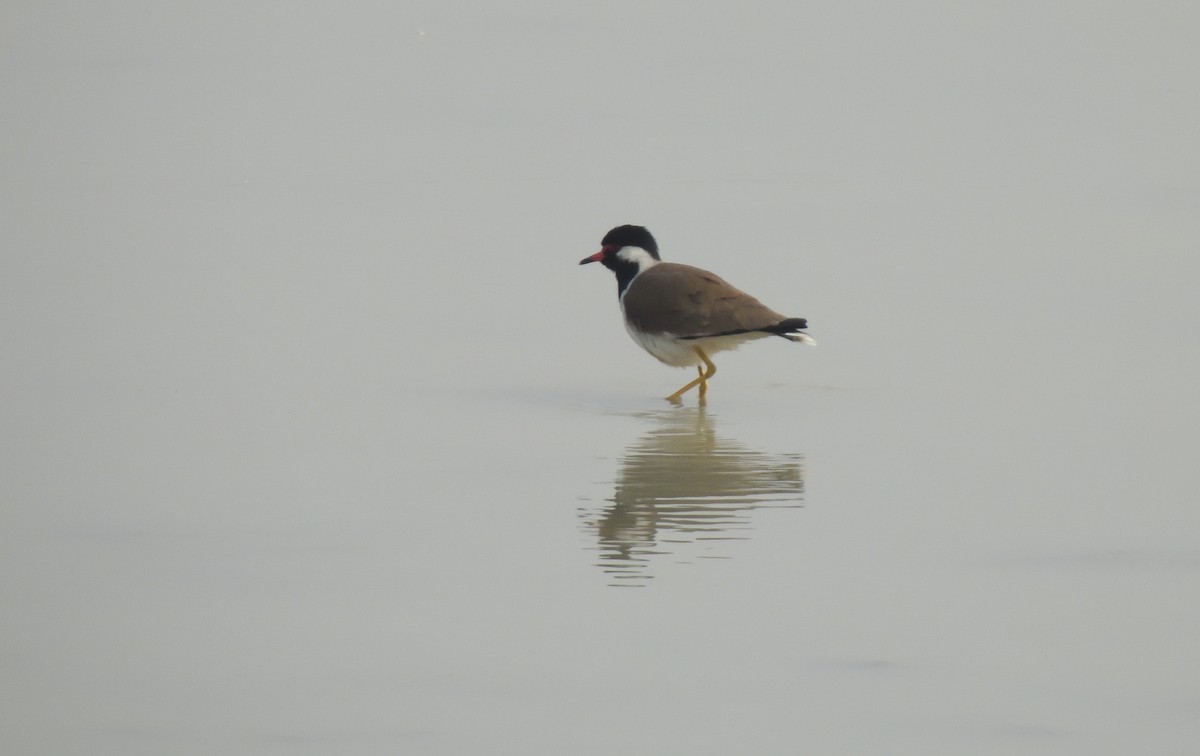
680,490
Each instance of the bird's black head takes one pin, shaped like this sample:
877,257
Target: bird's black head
620,238
631,236
642,252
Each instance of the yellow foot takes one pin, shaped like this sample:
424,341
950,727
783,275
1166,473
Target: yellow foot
701,380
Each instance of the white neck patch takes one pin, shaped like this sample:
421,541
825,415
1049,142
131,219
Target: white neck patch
637,256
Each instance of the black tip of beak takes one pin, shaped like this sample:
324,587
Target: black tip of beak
593,258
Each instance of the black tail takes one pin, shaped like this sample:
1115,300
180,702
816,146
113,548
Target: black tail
792,330
791,325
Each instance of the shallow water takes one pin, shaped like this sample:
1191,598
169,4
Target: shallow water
319,440
680,492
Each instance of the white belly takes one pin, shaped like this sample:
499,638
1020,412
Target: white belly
681,352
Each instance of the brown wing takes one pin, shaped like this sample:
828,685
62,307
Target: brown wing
687,301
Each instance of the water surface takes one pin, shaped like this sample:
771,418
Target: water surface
318,440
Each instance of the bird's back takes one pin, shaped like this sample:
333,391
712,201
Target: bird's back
682,300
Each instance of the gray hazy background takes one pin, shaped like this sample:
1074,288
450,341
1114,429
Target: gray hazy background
315,438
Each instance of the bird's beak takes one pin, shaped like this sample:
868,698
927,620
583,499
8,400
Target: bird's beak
594,258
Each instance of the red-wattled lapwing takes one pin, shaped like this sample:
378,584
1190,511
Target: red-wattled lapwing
682,314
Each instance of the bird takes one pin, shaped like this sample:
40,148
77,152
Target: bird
681,314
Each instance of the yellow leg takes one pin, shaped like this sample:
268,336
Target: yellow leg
701,380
